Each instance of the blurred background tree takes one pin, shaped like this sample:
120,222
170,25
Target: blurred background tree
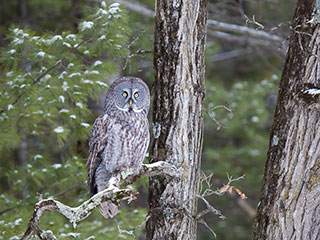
242,77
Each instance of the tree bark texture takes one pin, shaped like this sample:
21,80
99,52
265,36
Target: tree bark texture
290,203
180,35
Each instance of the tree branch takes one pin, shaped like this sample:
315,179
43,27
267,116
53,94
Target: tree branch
112,193
227,27
244,40
136,7
222,30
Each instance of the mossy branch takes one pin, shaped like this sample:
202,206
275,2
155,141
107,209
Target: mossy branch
112,193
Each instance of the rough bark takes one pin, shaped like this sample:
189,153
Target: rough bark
180,34
290,203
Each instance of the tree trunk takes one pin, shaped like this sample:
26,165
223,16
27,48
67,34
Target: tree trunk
180,34
290,203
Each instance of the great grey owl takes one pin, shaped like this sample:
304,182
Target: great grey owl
119,137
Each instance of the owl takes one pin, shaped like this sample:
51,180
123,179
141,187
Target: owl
119,137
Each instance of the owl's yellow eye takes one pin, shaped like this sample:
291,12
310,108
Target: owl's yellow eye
136,95
125,94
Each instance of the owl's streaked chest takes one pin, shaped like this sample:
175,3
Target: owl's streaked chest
127,139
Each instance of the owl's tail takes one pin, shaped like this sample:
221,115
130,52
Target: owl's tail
108,209
102,178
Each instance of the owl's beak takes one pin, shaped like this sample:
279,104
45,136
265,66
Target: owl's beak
130,102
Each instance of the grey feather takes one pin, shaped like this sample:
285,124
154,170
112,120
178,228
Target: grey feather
119,137
102,177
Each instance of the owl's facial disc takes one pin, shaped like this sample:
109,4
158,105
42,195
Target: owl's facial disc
130,97
129,103
133,106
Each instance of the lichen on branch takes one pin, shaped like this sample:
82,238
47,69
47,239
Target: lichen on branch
112,193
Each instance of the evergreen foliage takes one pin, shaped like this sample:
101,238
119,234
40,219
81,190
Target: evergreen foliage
237,123
46,81
55,162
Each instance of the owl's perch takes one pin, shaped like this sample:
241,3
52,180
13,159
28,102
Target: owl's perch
112,193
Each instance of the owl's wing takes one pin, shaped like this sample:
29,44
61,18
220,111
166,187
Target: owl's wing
97,144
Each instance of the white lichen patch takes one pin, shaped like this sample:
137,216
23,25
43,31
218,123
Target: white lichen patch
275,141
127,172
312,91
47,235
316,13
113,181
156,129
69,213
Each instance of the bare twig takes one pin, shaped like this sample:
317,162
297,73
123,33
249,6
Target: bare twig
209,209
203,193
253,21
207,226
211,113
131,232
223,56
136,53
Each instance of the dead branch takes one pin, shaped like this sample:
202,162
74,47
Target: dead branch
131,232
208,191
227,27
136,7
112,193
246,34
211,113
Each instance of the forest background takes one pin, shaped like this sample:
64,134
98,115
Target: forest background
46,114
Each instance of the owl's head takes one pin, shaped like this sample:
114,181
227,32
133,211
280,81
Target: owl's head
129,94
